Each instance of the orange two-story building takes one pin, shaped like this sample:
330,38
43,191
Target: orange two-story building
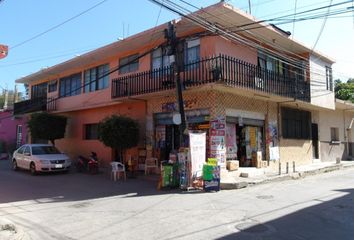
267,88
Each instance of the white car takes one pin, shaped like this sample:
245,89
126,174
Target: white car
40,158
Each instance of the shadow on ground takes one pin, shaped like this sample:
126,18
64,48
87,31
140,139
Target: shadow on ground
72,186
330,220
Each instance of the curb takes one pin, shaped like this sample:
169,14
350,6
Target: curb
278,178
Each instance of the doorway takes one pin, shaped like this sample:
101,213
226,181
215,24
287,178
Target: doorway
315,148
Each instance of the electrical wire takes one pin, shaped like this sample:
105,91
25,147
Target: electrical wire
213,30
268,42
299,13
135,60
56,26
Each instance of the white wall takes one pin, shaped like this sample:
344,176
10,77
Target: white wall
320,96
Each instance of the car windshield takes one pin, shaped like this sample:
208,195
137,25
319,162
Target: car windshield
41,150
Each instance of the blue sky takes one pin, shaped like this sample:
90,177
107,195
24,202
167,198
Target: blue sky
113,19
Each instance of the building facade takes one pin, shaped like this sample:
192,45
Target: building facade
264,92
13,131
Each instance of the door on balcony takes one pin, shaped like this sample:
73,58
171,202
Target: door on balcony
315,148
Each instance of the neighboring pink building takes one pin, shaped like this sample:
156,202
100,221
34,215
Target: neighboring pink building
13,130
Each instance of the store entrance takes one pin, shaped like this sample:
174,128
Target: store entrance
172,140
249,141
168,138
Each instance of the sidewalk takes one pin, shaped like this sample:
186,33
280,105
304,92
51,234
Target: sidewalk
9,231
233,180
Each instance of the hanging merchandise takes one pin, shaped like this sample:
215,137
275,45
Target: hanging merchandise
184,168
217,140
252,137
231,145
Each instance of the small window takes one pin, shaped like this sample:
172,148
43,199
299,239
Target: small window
91,131
53,86
192,51
329,79
160,59
334,134
129,64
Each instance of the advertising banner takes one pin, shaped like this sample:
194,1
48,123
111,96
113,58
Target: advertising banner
197,152
3,51
211,178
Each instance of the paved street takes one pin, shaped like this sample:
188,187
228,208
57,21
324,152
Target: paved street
79,206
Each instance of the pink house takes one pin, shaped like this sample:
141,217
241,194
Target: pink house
13,130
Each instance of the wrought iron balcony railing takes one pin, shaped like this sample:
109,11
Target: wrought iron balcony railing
34,105
219,69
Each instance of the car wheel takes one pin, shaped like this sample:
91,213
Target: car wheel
33,169
14,165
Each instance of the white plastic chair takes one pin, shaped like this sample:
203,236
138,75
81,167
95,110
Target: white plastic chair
117,168
151,163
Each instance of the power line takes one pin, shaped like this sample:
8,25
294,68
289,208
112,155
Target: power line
58,25
219,31
290,15
216,29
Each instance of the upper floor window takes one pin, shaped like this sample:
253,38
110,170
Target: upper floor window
159,59
52,86
96,78
281,67
329,79
39,90
129,64
70,86
192,53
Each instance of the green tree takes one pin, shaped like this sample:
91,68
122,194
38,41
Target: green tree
119,133
345,90
47,126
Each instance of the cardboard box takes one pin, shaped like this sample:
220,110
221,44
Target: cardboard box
259,159
232,165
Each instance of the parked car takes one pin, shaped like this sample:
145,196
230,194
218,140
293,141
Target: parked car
40,158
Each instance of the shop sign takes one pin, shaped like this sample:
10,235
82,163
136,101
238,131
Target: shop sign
197,151
176,118
212,161
173,106
274,153
214,132
3,51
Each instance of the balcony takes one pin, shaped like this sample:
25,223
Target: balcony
221,69
34,105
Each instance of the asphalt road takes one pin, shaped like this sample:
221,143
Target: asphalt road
79,206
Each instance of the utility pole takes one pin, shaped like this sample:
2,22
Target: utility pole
176,61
